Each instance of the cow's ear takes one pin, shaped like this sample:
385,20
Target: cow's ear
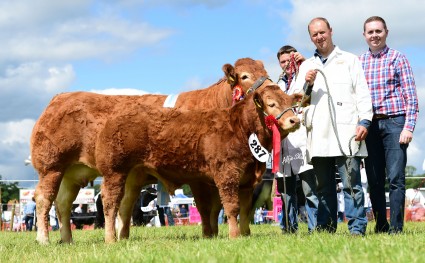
258,100
229,72
297,97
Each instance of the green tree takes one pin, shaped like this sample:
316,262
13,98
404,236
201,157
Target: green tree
414,182
9,191
186,190
410,170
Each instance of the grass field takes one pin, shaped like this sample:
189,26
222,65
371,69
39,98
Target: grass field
184,244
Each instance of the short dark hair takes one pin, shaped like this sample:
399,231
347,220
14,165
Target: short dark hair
375,18
321,19
287,49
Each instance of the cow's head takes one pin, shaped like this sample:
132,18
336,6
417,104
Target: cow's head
273,102
246,73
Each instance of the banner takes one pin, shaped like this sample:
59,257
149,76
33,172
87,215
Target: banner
85,196
25,195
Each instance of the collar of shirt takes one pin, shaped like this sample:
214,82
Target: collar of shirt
317,54
380,53
285,79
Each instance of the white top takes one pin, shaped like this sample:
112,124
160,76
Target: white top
78,209
351,102
294,146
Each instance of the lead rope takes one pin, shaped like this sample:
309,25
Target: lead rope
347,165
294,67
293,71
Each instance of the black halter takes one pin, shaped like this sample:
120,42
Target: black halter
257,84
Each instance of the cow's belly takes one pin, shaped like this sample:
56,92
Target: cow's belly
80,174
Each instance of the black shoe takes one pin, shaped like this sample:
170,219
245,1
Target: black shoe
395,232
357,234
289,231
382,229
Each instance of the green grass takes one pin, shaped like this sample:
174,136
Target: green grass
184,244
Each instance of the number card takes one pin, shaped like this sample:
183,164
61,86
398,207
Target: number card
259,152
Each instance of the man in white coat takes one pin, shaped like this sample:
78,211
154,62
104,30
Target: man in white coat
337,123
295,165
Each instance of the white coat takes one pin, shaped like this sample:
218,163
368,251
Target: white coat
294,146
350,103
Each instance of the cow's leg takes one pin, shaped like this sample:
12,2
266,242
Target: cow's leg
245,197
202,194
68,191
113,188
230,199
134,183
215,210
45,193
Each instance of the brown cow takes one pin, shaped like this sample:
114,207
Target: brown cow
63,143
185,147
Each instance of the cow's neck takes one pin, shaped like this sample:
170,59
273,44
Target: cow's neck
222,92
217,96
247,119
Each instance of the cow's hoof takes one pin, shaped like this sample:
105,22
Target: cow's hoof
43,241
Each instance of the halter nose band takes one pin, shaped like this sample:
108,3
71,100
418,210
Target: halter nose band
283,112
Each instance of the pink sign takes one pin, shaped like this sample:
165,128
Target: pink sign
194,216
277,207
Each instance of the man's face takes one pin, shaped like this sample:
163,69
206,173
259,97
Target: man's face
375,35
284,62
321,36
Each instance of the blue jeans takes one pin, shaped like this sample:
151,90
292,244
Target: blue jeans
165,211
308,182
349,171
221,216
29,221
387,158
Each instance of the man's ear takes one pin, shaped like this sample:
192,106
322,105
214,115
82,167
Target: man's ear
229,72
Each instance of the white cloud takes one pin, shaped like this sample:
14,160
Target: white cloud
14,149
177,4
16,131
347,18
69,31
114,91
28,87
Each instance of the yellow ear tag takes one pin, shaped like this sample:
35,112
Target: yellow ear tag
258,104
231,78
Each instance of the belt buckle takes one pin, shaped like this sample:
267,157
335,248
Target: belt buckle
380,116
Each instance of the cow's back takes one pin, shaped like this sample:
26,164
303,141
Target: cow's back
68,128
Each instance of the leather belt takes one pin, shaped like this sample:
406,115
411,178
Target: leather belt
385,116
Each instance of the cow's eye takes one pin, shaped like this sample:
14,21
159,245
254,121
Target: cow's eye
244,77
271,105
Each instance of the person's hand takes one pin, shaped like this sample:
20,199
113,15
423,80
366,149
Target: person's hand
310,76
361,133
298,57
406,137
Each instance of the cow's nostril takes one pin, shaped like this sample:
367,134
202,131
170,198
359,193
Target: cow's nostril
294,120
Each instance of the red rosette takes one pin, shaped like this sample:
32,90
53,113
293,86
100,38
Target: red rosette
237,93
270,121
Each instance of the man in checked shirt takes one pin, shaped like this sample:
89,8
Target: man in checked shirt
395,107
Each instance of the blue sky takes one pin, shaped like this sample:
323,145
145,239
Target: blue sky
167,46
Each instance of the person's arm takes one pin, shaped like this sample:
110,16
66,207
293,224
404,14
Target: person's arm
363,100
408,90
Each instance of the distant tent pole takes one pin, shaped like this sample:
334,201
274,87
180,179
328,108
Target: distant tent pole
1,213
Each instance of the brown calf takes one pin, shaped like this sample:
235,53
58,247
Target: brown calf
188,147
63,143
